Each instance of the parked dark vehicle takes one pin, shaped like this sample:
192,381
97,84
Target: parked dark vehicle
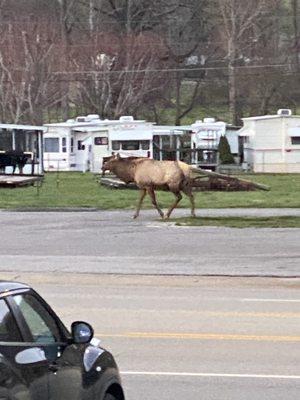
40,359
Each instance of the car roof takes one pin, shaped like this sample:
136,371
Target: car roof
6,286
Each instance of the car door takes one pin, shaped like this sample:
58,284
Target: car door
23,369
65,359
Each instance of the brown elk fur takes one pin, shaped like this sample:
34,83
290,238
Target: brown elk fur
150,175
108,158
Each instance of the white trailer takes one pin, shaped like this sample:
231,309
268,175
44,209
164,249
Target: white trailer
68,146
205,140
81,144
272,142
130,137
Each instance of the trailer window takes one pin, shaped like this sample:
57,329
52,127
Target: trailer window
5,140
51,145
145,144
101,141
72,145
115,145
64,145
80,145
185,140
295,139
130,145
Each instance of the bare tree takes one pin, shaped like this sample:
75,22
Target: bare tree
28,83
135,16
2,3
131,56
187,42
66,21
295,16
117,75
238,26
263,64
95,17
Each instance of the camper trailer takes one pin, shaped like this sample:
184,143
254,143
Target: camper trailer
80,144
130,137
205,140
271,143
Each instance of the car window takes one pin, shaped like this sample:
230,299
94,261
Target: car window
41,324
9,331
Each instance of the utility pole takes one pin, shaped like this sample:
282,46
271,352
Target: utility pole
128,17
295,9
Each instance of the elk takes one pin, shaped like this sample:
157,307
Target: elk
106,159
150,175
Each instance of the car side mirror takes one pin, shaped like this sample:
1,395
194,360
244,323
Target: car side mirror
82,332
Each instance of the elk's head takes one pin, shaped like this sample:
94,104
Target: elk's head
109,162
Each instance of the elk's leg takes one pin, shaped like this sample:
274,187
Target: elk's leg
154,202
138,207
188,191
178,198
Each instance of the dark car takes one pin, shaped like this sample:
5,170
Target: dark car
40,359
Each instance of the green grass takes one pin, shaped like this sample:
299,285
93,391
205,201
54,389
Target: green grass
168,115
241,222
75,189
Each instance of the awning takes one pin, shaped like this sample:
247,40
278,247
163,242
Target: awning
246,132
89,129
23,127
294,132
130,135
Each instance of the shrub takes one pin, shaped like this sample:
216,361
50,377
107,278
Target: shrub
224,151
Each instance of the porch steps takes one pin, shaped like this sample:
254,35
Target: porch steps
13,181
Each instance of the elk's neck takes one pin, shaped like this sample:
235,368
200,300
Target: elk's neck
124,171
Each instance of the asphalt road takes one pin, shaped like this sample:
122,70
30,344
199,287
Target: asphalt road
111,242
192,337
180,336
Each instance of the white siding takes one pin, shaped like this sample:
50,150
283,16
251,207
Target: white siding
269,133
232,137
270,148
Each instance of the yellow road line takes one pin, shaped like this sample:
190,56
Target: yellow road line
201,336
197,313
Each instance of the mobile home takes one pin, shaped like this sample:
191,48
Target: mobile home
130,137
271,143
81,144
205,141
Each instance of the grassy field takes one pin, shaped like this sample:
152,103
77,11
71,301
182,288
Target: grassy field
83,190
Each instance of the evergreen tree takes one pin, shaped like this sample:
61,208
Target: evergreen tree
224,151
